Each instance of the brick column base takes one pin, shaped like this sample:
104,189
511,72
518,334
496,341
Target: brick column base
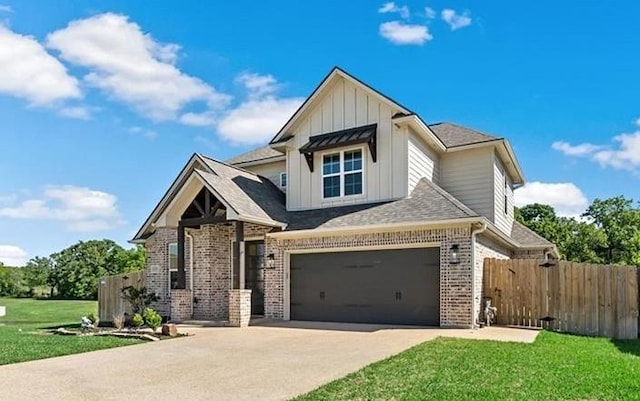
239,308
180,305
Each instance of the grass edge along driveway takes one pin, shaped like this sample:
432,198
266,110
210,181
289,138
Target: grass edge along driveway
555,367
21,330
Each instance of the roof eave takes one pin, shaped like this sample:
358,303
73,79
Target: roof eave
420,126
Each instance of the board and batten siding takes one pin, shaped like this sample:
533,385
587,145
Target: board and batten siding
271,171
502,220
469,176
423,161
344,106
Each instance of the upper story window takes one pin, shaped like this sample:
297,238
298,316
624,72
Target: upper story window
506,195
342,174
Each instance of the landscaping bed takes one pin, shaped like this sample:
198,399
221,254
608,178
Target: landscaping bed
22,329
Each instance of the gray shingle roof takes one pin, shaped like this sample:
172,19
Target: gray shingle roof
264,152
453,135
248,194
526,237
428,202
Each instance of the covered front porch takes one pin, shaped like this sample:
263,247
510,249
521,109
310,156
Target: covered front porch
206,244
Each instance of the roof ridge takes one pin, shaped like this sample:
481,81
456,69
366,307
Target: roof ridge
457,203
227,164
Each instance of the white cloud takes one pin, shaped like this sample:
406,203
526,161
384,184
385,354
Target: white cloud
27,71
5,9
455,20
11,255
575,150
429,12
261,115
565,197
132,67
77,112
257,120
624,154
391,7
80,208
637,122
258,85
204,119
400,33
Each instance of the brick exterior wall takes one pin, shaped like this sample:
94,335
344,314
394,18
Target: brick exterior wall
239,308
455,280
485,248
180,305
212,270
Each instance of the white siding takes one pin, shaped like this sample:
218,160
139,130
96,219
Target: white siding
345,106
469,176
423,161
502,220
270,171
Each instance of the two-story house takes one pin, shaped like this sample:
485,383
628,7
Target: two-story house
356,211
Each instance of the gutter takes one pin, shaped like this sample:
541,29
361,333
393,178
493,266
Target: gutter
474,233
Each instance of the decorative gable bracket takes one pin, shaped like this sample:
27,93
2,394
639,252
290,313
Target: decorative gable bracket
352,136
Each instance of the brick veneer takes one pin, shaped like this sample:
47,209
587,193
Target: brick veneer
455,279
180,305
239,308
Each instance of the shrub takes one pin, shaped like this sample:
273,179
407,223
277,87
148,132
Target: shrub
94,319
137,320
139,298
152,318
118,321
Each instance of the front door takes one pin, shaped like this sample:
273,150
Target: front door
254,274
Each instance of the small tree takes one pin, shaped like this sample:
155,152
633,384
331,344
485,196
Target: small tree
139,298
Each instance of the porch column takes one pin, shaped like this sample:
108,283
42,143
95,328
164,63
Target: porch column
238,257
182,282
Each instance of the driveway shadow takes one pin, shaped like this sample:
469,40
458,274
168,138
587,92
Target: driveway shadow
334,326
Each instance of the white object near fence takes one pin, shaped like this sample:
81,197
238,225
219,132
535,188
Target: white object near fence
3,311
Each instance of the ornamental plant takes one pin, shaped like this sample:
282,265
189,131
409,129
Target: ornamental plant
152,319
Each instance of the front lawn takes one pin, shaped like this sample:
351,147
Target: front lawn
555,367
21,334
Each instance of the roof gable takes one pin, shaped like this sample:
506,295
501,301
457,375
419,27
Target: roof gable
324,87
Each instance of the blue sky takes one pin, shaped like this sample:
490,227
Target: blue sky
102,103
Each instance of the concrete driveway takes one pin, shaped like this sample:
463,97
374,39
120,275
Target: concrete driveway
268,362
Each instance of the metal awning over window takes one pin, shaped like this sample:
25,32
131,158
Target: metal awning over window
352,136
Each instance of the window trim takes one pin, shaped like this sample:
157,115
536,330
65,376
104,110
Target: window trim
506,195
283,174
169,262
342,173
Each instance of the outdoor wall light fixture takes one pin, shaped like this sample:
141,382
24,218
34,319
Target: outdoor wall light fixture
454,257
271,261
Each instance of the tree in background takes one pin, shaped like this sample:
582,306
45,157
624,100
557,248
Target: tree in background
35,274
78,267
609,233
11,281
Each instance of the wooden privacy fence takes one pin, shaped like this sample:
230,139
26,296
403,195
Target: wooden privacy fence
110,299
577,298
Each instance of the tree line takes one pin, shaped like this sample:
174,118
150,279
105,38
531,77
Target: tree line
608,232
72,273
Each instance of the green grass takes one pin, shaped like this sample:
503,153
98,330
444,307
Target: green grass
22,338
555,367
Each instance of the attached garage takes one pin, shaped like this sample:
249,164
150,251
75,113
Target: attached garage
398,286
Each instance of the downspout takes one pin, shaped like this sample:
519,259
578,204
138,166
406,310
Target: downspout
191,269
474,232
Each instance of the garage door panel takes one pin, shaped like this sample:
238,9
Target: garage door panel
390,286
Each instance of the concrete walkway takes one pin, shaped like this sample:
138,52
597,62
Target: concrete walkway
268,362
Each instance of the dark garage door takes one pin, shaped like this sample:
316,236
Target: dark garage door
390,286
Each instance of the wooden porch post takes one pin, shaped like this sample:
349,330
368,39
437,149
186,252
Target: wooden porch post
182,282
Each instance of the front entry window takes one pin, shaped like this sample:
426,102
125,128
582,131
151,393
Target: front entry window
173,265
342,174
254,274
